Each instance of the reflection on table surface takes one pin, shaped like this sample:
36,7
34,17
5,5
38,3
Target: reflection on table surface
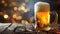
17,28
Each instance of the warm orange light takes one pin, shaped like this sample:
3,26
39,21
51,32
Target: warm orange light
13,3
1,13
18,17
30,19
15,8
13,21
5,16
2,1
5,4
58,32
24,22
26,10
14,15
21,8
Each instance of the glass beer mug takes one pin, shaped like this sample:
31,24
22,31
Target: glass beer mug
42,16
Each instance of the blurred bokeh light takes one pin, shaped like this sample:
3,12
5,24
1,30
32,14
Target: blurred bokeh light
6,16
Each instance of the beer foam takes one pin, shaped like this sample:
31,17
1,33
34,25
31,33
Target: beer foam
42,3
41,6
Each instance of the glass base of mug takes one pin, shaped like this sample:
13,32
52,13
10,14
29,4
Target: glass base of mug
47,29
44,29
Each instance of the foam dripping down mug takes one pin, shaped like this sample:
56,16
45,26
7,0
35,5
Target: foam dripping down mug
42,16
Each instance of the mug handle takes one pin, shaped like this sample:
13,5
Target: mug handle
56,17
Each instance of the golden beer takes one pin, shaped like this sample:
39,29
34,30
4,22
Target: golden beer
42,15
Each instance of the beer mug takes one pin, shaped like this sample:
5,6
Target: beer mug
43,16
